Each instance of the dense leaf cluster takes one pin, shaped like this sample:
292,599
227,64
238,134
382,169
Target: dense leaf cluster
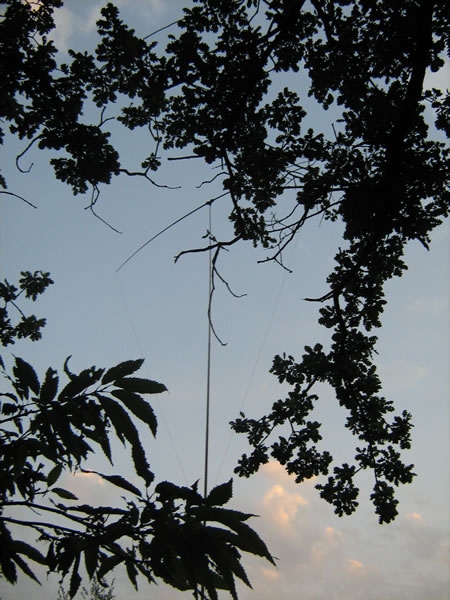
229,88
165,532
32,285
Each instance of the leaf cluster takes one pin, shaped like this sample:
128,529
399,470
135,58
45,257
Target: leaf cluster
32,285
172,533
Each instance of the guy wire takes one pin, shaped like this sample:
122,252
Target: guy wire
142,353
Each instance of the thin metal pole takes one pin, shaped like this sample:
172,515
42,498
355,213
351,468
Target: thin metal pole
208,370
208,385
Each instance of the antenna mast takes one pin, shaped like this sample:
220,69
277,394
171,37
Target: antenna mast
208,368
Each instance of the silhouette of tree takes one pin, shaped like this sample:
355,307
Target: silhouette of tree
227,90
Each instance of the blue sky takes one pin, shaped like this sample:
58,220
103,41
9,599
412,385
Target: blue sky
156,309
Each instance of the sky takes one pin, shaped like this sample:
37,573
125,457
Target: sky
156,309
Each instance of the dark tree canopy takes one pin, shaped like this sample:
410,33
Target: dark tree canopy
230,89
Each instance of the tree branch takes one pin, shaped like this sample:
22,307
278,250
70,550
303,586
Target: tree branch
19,197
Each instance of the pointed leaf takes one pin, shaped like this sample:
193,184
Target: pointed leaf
132,573
141,386
91,559
49,387
118,481
247,539
9,409
101,438
54,475
79,383
108,564
66,367
221,494
62,493
9,395
26,375
21,547
122,370
75,579
125,428
141,465
139,407
8,569
25,568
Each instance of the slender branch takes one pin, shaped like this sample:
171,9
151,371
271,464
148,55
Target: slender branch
184,157
209,247
18,307
210,180
41,507
38,524
211,294
102,120
225,282
94,198
19,197
209,202
161,29
214,272
19,156
290,237
145,174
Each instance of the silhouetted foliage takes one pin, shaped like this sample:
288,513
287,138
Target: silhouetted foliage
219,91
32,285
96,591
49,430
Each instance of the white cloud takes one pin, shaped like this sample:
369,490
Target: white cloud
355,566
282,505
321,556
415,516
66,22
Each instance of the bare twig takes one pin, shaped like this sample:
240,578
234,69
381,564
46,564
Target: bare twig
22,154
225,282
102,120
94,198
17,196
290,237
161,29
145,174
210,180
208,203
184,157
211,294
209,247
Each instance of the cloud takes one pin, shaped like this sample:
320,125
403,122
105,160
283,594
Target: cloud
66,22
282,505
70,25
90,489
271,574
321,556
355,566
414,516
